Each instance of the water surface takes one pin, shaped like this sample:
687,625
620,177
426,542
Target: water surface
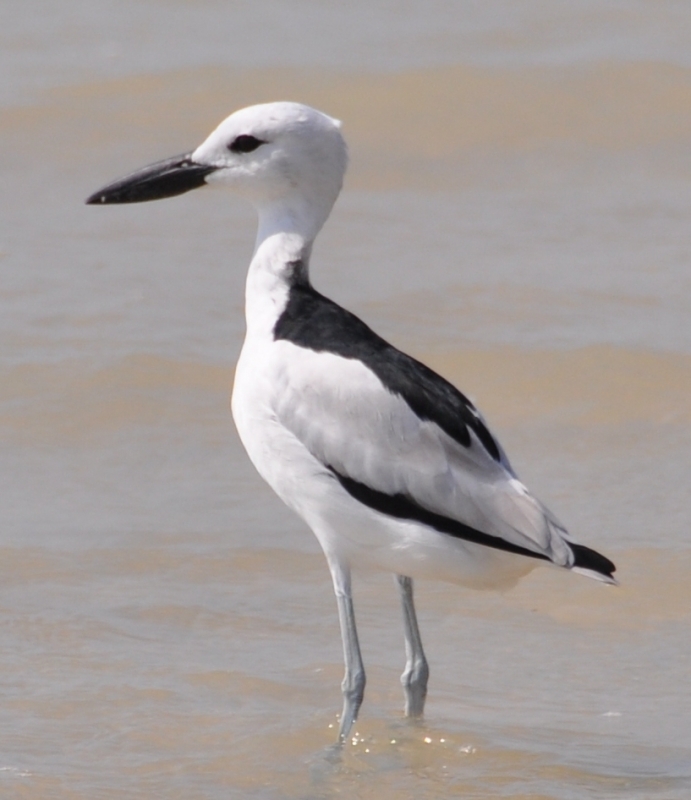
516,214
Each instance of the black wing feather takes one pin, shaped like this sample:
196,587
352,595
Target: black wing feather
403,507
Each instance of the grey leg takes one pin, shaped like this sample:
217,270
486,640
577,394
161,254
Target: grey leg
353,685
416,673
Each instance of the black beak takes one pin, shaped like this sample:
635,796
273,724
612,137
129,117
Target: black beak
167,178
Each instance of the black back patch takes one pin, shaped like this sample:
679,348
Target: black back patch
313,321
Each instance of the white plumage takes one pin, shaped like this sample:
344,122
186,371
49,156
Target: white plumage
387,462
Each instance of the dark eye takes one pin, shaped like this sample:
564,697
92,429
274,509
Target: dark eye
244,144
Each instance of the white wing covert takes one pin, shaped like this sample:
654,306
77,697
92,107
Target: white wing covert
391,444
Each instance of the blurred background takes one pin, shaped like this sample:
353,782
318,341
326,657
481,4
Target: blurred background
517,215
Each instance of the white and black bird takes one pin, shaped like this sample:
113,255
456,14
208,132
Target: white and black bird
386,461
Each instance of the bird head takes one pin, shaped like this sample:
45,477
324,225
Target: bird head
278,155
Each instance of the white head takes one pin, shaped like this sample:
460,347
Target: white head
270,151
286,158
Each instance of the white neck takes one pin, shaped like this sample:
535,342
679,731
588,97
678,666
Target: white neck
296,215
284,236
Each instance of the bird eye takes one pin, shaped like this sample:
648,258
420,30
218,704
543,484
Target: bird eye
244,144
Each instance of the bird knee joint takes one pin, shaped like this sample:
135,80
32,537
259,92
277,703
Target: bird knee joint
353,686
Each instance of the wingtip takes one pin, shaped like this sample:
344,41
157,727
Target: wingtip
610,580
593,564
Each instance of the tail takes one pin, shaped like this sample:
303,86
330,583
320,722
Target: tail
591,564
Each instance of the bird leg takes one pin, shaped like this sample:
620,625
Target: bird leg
416,673
353,685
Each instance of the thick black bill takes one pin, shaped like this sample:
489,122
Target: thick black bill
167,178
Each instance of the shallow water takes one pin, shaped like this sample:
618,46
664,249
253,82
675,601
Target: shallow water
516,214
